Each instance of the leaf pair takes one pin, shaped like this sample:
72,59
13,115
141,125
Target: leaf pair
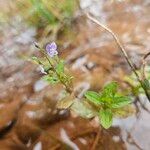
108,97
109,100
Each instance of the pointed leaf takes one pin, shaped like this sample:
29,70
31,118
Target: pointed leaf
36,60
110,89
120,102
146,84
93,97
106,118
124,112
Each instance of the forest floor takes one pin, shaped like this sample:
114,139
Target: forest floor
28,116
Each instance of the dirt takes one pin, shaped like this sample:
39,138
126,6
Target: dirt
28,116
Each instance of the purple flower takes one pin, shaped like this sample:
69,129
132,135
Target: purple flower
51,49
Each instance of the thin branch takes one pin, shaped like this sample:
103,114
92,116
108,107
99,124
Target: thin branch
118,43
131,140
144,62
130,63
96,140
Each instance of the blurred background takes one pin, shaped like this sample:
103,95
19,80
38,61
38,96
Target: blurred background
28,116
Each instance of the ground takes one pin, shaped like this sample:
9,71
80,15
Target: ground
28,116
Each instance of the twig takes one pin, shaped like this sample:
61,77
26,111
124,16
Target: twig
144,65
130,63
143,106
118,43
131,140
96,140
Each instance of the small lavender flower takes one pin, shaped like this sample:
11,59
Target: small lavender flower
51,49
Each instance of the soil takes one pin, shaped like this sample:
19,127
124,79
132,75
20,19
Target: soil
28,116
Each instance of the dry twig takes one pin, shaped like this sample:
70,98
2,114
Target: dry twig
130,63
96,140
144,62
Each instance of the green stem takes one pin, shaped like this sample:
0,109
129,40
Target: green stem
69,90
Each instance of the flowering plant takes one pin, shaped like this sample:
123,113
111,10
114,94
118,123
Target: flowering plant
53,67
105,105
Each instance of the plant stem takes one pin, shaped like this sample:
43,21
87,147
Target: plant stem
130,63
144,65
67,88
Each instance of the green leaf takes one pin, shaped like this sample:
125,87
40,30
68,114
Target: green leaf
106,118
110,89
120,102
60,67
146,84
83,109
47,68
124,112
36,60
93,97
50,79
